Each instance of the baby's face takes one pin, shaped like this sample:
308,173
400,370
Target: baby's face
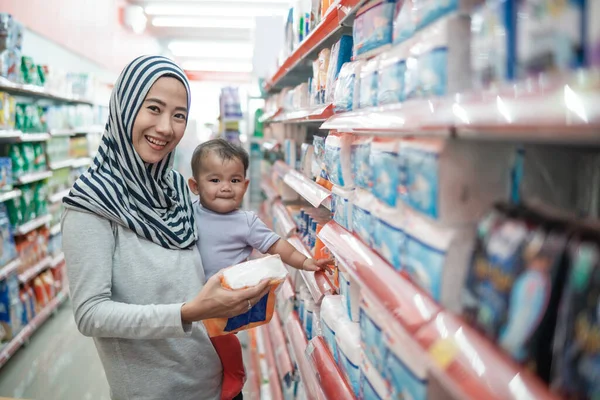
222,183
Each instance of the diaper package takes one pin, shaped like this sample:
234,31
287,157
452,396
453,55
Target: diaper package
404,23
550,35
362,218
372,385
245,275
337,154
426,12
341,53
350,292
389,238
350,353
342,205
372,320
392,67
386,169
332,312
436,66
493,42
309,314
290,152
307,153
454,182
373,26
405,367
320,165
437,258
347,87
360,161
324,58
368,84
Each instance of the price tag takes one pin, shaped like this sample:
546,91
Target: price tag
443,352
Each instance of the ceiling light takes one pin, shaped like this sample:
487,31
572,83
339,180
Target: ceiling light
214,49
217,66
186,22
224,10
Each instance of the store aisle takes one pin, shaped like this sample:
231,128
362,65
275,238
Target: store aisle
58,364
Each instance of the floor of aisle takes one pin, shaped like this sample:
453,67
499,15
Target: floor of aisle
59,363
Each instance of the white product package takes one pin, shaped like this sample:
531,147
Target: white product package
386,169
360,161
346,87
307,159
452,181
303,298
372,384
389,239
405,364
436,65
350,351
332,312
338,155
372,322
309,313
244,275
392,68
362,218
290,152
350,292
368,84
342,199
437,258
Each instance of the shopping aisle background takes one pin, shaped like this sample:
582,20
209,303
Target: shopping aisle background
59,363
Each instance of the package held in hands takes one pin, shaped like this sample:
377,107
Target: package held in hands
245,275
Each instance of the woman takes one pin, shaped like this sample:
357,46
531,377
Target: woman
128,238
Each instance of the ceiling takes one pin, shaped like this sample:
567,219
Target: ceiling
209,35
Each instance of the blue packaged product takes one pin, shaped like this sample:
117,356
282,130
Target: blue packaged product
347,87
493,42
332,311
372,385
385,170
421,179
6,175
550,35
428,11
392,68
8,252
338,156
373,26
389,239
362,219
404,25
369,84
343,207
371,332
360,161
349,349
341,53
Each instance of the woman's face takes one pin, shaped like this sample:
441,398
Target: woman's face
161,121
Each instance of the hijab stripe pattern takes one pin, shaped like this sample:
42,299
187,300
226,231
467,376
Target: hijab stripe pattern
150,199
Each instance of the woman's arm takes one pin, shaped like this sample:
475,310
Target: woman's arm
88,244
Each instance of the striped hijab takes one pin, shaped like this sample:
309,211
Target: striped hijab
150,199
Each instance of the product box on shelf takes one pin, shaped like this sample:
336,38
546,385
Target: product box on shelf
8,251
11,309
386,170
341,53
350,353
342,206
332,311
323,66
372,384
350,292
426,12
7,111
454,182
362,216
550,35
338,158
372,320
389,237
347,87
391,74
373,26
436,64
369,81
360,161
404,21
6,175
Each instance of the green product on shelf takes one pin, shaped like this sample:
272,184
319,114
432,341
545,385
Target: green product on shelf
20,117
17,160
26,69
14,211
40,157
27,203
28,157
41,73
42,120
40,194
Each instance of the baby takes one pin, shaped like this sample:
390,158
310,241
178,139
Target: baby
227,235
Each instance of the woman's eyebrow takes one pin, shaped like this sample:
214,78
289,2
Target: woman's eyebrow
162,103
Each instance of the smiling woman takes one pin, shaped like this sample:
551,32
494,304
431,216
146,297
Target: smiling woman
160,123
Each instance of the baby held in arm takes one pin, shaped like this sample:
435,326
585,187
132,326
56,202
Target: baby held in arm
228,235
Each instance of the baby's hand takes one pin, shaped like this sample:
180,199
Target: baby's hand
310,264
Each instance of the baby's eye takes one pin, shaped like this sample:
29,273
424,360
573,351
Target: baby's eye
235,180
214,180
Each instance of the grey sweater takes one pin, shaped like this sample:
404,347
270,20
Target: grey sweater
127,294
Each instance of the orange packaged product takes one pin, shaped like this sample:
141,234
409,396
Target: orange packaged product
41,295
48,281
245,275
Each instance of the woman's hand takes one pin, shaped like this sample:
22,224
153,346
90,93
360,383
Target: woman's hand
215,302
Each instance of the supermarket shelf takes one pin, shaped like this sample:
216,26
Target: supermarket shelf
373,53
55,230
57,261
9,268
31,225
312,115
268,357
285,223
85,130
35,270
81,162
269,190
314,193
10,135
318,284
61,132
11,194
281,168
471,366
33,177
15,136
11,348
285,367
297,338
61,164
37,92
71,163
411,307
330,377
55,198
270,115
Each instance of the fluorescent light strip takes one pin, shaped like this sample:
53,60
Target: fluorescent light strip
216,66
244,11
187,22
211,49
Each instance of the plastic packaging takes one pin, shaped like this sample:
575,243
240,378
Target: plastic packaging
372,385
341,53
392,68
346,88
244,275
342,200
372,319
368,84
389,238
338,154
332,312
386,169
350,352
309,315
350,291
362,219
404,24
373,26
307,159
324,59
360,161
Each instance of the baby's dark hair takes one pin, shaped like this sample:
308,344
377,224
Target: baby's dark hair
225,150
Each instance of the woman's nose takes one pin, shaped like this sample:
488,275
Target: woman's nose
164,126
